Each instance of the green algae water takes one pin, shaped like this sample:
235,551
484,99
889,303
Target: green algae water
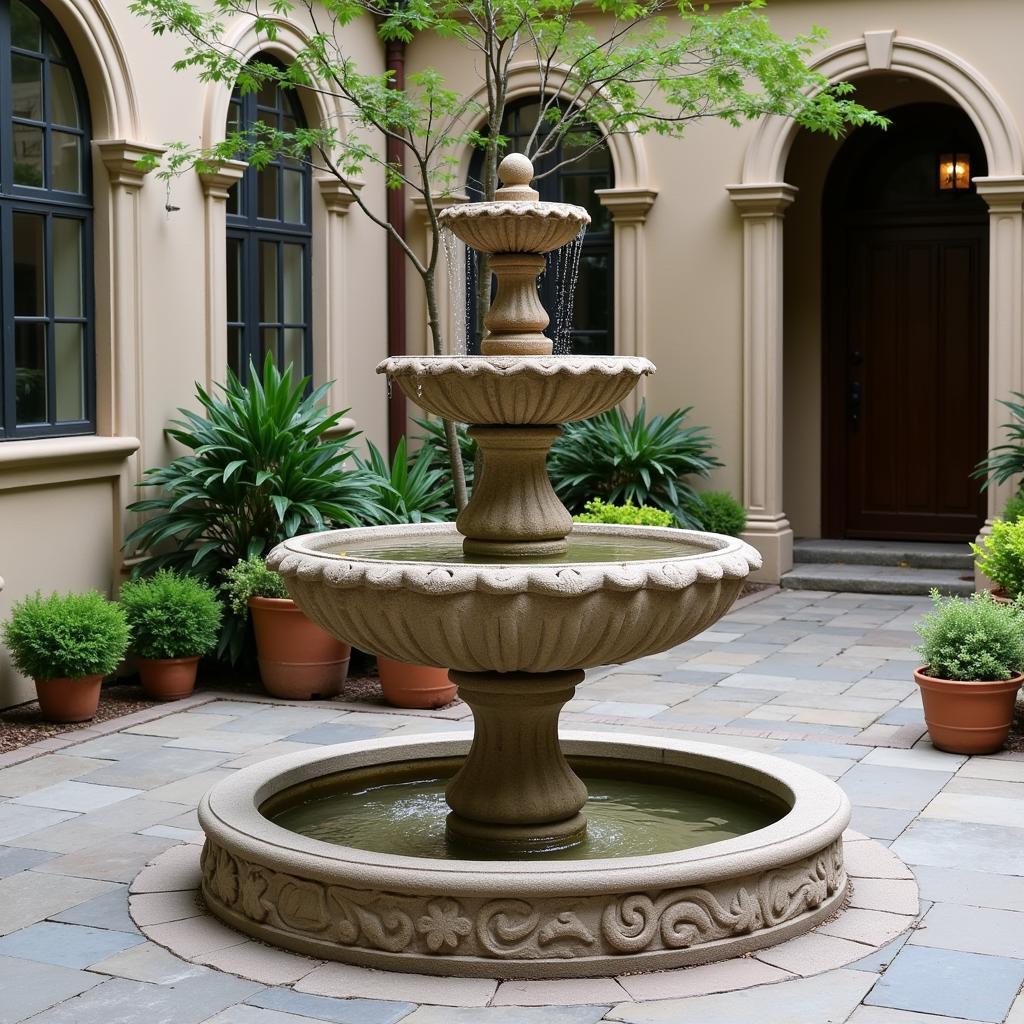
632,811
447,549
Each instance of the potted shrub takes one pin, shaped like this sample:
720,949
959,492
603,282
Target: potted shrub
720,512
1000,557
409,490
973,654
174,620
298,660
67,643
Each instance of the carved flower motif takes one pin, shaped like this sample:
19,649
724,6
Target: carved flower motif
225,877
443,925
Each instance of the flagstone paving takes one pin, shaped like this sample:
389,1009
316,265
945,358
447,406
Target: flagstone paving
823,679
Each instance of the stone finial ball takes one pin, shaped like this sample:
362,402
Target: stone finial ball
515,169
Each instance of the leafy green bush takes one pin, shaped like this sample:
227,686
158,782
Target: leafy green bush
260,470
1001,556
411,490
433,439
1014,508
251,578
597,511
66,635
720,512
977,639
171,616
618,460
1006,460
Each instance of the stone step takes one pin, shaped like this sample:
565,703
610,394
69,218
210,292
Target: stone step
915,555
877,579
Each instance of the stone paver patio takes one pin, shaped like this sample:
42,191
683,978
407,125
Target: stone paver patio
823,679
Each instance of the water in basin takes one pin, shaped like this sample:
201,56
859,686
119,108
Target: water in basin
583,547
633,810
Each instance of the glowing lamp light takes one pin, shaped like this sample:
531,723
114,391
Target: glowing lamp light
954,172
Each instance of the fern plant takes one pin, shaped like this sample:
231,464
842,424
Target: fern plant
1001,556
1005,461
411,490
433,439
973,640
260,469
636,460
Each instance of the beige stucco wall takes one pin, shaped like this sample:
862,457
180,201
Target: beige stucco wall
155,276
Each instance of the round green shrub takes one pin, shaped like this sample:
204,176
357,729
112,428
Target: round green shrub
1001,556
66,635
598,511
720,512
974,639
251,578
1014,508
171,616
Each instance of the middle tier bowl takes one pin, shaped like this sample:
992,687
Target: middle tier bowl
516,390
409,593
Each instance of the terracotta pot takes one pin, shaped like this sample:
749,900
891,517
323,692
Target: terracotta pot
298,660
168,678
69,700
415,686
1000,596
968,717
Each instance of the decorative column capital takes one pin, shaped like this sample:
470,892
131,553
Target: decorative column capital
218,181
1003,195
338,196
770,199
121,158
627,205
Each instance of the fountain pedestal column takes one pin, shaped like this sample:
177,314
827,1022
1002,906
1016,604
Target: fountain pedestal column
515,791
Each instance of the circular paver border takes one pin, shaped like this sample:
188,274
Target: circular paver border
166,905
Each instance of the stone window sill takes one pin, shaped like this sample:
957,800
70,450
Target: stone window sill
56,460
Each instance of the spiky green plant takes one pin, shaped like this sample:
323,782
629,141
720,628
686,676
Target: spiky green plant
1005,461
409,490
642,461
433,437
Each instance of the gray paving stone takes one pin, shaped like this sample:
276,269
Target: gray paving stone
184,723
973,930
152,963
828,997
42,771
117,746
113,862
326,734
280,720
29,897
954,844
812,749
66,945
155,768
17,820
109,910
507,1015
879,961
117,1001
76,796
13,860
949,983
970,888
339,1011
682,675
885,1015
217,740
880,822
904,789
29,988
188,791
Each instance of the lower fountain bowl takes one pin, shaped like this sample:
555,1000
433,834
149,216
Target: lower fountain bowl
526,918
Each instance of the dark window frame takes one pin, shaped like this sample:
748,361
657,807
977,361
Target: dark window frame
596,242
49,203
250,231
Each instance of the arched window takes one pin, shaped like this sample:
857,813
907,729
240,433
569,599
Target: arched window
47,376
268,244
593,312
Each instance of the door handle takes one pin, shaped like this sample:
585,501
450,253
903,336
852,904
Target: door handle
853,400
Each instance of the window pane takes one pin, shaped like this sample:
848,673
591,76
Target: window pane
293,290
69,370
27,87
591,309
235,199
268,343
66,174
293,197
30,373
67,267
28,155
26,31
266,185
234,261
234,116
268,282
579,189
294,346
63,101
235,349
29,250
266,95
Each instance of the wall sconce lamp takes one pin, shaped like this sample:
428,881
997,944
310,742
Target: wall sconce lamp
954,172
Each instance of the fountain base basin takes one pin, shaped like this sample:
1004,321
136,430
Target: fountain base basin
529,917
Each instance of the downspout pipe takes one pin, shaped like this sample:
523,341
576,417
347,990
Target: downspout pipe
394,59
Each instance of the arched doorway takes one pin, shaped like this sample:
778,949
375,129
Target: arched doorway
905,330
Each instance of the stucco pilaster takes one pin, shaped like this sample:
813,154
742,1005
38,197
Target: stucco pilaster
762,208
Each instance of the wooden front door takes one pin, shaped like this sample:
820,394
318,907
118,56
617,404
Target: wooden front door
906,350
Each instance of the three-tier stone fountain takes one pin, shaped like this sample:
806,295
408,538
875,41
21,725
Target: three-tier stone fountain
520,852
